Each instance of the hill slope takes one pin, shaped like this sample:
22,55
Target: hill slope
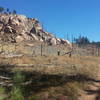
17,28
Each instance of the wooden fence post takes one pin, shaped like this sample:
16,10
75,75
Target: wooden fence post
41,49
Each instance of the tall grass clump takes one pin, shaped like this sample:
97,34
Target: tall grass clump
2,93
17,89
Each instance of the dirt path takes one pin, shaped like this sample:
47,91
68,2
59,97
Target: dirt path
93,90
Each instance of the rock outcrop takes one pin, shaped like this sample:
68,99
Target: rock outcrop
18,28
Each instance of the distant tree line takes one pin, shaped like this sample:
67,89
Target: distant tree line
7,11
96,43
82,40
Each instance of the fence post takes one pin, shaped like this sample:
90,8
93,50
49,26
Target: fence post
98,51
2,48
58,53
41,49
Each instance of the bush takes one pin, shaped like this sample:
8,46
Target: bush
16,94
2,93
18,79
17,91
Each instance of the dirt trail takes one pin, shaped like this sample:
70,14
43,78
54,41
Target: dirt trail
93,90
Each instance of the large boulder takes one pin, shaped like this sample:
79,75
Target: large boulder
53,41
8,29
1,27
19,39
25,36
34,37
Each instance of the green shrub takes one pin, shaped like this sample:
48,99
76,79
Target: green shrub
16,94
17,91
2,93
18,79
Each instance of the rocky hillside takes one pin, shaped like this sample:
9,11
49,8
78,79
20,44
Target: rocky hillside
18,28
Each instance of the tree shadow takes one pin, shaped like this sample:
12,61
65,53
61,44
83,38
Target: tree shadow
94,92
39,81
43,81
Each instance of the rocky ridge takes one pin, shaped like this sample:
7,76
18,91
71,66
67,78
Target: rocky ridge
18,28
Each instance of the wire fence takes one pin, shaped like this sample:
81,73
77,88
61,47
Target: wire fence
44,49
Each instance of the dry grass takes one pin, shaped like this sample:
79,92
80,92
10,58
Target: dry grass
68,91
57,64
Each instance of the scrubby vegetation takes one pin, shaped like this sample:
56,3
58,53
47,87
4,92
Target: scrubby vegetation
7,11
17,91
3,95
57,78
